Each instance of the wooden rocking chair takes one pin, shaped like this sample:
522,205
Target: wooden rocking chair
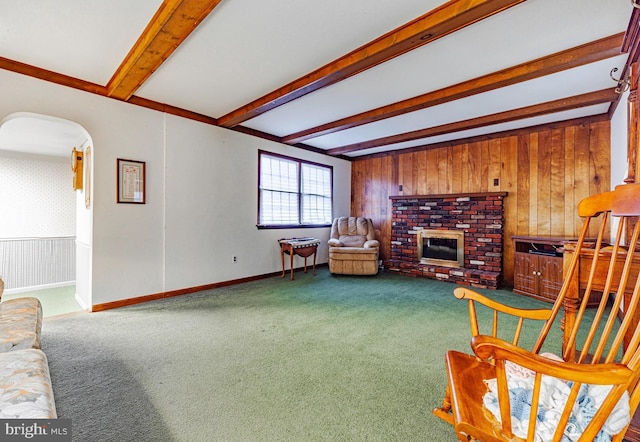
507,393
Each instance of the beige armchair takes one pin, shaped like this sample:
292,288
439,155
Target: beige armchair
353,248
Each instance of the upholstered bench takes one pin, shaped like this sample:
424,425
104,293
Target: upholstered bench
20,324
25,385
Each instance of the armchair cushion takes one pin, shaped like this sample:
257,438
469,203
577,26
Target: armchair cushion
352,240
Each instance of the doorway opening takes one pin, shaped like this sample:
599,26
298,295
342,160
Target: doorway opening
46,229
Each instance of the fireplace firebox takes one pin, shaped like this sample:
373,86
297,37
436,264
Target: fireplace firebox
441,247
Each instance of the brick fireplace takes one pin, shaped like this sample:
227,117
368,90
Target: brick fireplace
479,215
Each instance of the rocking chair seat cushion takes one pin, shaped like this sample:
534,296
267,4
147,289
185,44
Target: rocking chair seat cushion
554,393
476,402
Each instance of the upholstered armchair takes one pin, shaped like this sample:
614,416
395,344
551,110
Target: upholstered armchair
353,248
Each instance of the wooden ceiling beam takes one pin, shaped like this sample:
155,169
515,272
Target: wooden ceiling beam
560,61
450,17
490,136
169,27
563,104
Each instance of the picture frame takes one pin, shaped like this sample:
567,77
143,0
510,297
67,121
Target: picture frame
131,181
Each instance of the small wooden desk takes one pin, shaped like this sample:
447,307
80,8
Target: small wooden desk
304,247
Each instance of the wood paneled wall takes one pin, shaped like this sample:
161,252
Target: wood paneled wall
546,170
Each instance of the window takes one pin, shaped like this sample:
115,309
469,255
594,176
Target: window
293,193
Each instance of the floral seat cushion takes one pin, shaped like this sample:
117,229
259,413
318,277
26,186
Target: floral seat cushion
25,386
20,324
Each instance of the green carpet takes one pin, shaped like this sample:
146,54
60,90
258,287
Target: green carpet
320,358
55,301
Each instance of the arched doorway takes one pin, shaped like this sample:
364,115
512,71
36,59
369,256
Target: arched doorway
32,137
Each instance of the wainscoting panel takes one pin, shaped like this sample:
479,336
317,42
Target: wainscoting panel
546,171
34,262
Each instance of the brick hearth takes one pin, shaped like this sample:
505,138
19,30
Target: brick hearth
480,215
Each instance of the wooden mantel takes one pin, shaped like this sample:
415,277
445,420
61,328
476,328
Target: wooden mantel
448,195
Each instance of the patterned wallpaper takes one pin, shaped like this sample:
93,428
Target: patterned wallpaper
36,196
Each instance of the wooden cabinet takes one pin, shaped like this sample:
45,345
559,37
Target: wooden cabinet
538,267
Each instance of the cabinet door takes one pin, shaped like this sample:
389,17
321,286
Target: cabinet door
525,274
551,276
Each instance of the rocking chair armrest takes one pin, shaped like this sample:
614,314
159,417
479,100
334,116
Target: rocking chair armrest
488,347
539,314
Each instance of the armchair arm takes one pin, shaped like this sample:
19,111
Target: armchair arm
372,243
333,242
488,347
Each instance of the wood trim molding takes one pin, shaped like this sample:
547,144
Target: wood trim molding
53,77
172,23
448,195
450,17
270,137
588,99
633,129
560,61
185,291
173,110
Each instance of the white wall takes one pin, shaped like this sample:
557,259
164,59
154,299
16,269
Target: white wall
36,196
84,229
201,194
619,142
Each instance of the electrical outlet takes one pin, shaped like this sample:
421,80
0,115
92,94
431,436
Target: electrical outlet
235,258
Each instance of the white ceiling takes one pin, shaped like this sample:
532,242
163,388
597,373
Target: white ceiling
40,134
246,49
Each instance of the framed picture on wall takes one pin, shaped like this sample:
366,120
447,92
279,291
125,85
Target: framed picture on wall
131,181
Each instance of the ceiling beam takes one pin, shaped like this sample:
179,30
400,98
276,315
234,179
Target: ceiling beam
563,104
169,27
560,61
450,17
76,83
521,131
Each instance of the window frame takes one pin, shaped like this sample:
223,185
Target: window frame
299,162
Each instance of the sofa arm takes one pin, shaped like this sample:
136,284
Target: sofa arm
372,243
333,242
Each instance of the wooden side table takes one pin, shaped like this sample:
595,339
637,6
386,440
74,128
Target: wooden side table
304,247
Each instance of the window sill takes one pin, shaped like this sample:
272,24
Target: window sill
291,226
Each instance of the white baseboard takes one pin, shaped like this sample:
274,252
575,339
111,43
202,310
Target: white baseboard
81,303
